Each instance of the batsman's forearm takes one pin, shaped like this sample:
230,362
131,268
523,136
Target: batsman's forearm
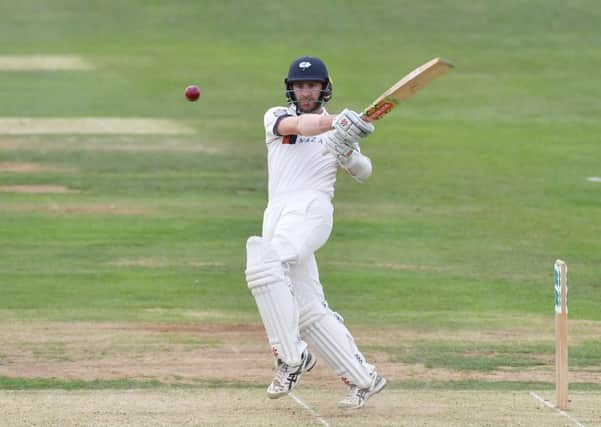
314,124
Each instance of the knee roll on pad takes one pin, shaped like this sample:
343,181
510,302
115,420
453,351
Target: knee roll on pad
263,265
269,284
324,331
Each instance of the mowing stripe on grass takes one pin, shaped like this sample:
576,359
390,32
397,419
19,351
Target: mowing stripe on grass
91,126
562,413
43,63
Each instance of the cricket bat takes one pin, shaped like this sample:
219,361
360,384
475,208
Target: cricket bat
405,88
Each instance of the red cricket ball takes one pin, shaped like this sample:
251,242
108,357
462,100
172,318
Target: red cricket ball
192,92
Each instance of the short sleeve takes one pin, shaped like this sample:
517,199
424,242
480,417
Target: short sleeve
270,121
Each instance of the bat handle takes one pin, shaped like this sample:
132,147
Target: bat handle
377,110
366,118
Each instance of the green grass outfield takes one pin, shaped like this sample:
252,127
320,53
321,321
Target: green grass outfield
480,181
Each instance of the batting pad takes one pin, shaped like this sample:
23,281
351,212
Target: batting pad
324,331
270,286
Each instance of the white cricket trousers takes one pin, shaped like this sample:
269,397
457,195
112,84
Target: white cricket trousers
298,224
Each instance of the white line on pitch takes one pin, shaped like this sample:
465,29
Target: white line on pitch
308,408
563,413
594,179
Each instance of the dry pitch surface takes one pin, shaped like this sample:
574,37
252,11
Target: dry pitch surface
234,365
250,407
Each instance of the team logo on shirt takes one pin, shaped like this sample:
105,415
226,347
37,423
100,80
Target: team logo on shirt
299,139
304,65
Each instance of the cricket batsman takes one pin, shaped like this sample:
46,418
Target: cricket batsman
305,147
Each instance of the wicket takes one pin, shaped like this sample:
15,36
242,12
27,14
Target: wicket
561,334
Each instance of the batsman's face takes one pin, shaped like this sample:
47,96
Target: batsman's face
307,95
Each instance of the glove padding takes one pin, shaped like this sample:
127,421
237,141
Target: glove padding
350,125
340,147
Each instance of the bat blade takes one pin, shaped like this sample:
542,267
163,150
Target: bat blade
405,88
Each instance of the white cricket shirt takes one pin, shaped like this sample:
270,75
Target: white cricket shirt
294,162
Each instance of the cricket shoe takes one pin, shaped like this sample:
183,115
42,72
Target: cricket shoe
287,377
357,397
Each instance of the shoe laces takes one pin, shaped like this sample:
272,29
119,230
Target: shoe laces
355,394
285,373
358,394
281,373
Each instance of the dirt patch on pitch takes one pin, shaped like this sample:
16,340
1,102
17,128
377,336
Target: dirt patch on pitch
91,126
15,167
30,168
37,189
77,209
44,63
232,352
116,143
389,266
170,353
163,263
97,210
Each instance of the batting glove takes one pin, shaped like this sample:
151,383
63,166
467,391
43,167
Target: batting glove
338,146
351,126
